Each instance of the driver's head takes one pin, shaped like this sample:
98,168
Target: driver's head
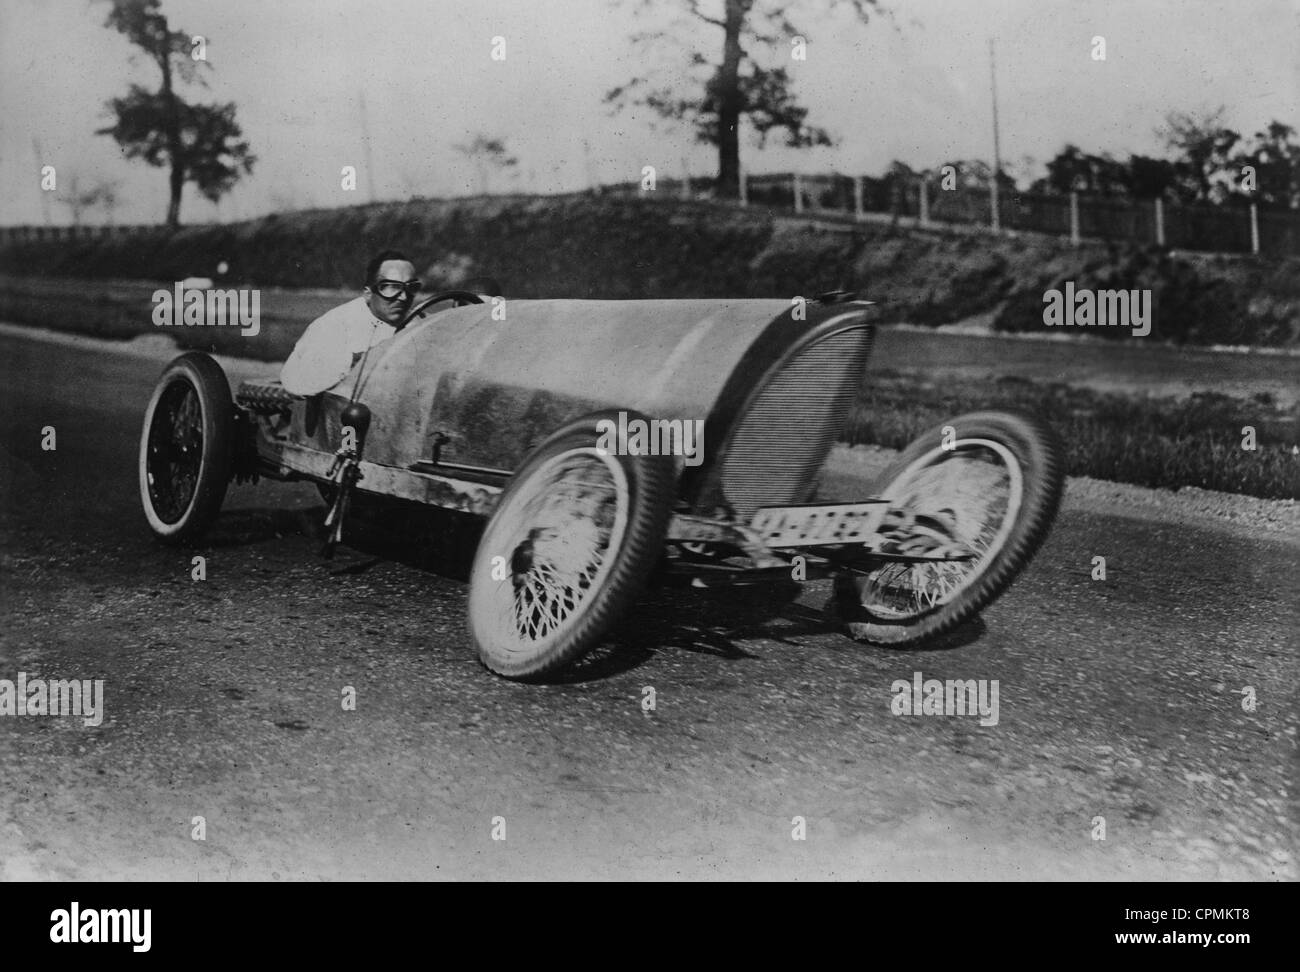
391,286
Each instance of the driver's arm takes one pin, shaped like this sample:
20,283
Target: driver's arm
320,360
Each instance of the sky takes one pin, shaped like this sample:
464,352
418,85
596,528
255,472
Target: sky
313,78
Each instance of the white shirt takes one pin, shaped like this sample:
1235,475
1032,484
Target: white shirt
330,346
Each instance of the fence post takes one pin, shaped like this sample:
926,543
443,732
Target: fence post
798,194
1160,221
925,203
858,211
1074,218
744,187
1254,229
686,179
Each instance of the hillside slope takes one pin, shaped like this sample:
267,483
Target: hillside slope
592,246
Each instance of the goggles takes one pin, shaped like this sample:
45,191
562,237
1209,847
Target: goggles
392,289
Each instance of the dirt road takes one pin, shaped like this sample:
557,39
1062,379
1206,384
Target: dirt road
1120,699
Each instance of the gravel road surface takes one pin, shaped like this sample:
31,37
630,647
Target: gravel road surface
1123,699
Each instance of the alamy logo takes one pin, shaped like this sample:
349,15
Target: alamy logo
1098,308
930,696
105,925
53,697
198,306
652,437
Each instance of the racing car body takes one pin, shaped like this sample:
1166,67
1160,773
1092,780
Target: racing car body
568,425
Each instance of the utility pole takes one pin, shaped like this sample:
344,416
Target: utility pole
40,162
997,149
588,166
365,141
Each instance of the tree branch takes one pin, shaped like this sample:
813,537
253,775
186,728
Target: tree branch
694,6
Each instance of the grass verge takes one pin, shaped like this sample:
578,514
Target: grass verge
1149,441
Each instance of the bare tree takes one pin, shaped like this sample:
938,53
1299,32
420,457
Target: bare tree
81,196
488,153
109,200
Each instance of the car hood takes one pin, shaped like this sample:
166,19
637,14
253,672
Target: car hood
497,388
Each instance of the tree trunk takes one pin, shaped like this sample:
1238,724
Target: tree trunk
174,147
174,204
729,102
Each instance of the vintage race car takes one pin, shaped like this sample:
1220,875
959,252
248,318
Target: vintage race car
606,440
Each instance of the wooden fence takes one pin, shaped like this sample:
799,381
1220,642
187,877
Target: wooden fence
1209,228
1215,229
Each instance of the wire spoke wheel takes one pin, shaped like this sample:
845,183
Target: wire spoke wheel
995,488
976,486
557,546
572,540
186,447
175,447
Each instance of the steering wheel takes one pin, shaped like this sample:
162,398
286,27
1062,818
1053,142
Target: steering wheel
461,297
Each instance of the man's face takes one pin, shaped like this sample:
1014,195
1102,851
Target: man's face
391,309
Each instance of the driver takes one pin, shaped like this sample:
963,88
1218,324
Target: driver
336,340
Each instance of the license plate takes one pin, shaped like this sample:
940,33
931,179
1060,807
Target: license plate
814,525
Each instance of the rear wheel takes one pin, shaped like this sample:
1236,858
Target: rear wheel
995,480
186,448
569,547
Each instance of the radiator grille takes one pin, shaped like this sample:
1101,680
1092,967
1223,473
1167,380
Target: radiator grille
780,443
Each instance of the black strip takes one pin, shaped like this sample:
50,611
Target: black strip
470,474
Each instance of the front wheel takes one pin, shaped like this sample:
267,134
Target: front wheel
186,448
996,479
569,546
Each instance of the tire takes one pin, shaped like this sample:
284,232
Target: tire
186,448
892,604
576,535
